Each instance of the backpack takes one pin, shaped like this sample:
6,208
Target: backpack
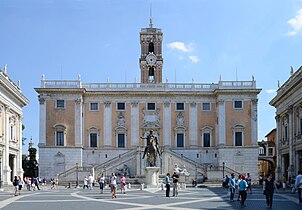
15,182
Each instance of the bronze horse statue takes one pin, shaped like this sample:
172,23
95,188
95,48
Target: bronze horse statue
151,149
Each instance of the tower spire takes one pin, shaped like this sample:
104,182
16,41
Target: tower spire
151,24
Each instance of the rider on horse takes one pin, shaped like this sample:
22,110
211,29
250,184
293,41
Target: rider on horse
151,139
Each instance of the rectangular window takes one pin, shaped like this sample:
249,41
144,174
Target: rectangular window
121,140
60,104
270,151
180,140
93,140
60,138
94,106
206,140
120,106
151,106
206,107
238,138
285,133
238,104
180,106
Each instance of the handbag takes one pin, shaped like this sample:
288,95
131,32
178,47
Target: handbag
264,192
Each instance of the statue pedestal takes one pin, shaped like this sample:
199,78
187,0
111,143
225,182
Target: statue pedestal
152,174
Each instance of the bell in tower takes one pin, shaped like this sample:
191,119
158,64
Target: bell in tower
151,60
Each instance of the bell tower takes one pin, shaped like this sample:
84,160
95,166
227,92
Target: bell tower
151,60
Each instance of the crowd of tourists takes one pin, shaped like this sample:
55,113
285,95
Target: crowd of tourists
243,184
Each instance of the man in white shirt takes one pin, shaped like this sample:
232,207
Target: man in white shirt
90,182
298,185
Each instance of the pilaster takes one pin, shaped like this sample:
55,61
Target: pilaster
193,124
167,122
254,122
108,125
42,122
134,124
221,123
78,122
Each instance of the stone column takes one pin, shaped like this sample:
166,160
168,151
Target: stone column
278,144
78,135
193,116
42,122
19,155
134,125
108,125
221,123
167,124
254,122
6,167
291,141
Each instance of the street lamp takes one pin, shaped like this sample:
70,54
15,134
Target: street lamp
77,173
223,169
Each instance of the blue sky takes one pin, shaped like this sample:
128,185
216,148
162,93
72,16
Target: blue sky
203,39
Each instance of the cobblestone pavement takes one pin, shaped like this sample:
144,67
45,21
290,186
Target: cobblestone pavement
135,199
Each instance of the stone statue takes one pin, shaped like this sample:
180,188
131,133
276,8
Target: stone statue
151,150
180,171
123,171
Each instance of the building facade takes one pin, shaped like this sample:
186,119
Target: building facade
11,103
267,154
288,104
99,125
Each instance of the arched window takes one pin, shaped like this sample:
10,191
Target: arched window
151,47
151,74
261,151
60,135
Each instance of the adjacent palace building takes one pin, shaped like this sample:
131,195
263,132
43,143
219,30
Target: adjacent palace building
11,103
96,127
288,104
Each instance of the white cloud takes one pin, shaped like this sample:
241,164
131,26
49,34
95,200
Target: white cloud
180,46
270,91
194,58
296,24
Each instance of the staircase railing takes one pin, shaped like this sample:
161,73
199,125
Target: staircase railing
186,159
120,159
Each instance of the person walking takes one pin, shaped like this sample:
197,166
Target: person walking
242,187
113,185
238,181
123,184
283,180
167,182
175,178
102,182
232,186
298,185
292,185
85,182
249,182
16,185
90,181
20,184
268,190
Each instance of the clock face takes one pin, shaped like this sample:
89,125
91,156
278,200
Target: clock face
151,59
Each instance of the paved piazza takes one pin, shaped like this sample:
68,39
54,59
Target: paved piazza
135,199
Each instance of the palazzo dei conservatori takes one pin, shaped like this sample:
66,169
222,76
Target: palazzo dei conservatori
208,129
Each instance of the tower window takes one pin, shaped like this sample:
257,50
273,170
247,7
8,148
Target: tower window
151,47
